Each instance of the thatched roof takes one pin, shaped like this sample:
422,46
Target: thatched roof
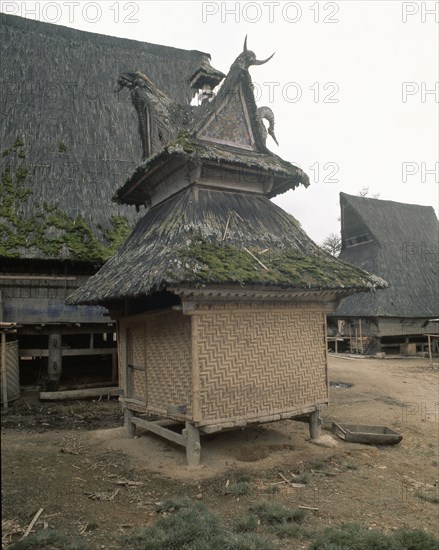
398,242
68,141
205,237
228,130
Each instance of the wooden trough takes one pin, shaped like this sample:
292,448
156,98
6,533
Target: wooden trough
369,435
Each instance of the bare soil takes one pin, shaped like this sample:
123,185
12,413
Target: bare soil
74,460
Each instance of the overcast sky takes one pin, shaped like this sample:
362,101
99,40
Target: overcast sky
353,84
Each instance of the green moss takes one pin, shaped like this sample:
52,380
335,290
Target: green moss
48,229
216,263
185,142
18,142
62,147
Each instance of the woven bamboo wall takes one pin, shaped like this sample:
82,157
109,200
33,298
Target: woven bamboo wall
258,363
161,346
12,372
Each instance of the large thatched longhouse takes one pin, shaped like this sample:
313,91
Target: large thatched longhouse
67,141
400,243
219,294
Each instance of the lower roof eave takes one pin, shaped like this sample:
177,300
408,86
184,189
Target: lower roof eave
259,294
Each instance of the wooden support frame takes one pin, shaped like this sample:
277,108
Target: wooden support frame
189,437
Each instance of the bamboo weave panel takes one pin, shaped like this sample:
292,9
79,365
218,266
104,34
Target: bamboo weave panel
136,354
12,372
169,361
256,364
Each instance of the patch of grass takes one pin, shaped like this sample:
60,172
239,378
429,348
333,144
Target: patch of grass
174,504
238,489
319,464
246,523
290,530
49,539
303,477
350,466
270,513
272,489
359,537
192,528
244,478
414,539
242,541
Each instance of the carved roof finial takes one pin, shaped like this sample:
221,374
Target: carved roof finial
248,58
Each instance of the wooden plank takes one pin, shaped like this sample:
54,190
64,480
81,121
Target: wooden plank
32,523
67,352
78,394
4,372
54,365
159,430
196,397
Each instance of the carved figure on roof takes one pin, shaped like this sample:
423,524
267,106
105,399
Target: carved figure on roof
248,58
267,114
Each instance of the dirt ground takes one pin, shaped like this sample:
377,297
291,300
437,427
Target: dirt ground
74,460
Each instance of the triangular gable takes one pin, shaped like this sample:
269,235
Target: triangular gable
230,123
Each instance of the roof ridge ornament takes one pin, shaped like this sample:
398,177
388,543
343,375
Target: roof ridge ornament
247,58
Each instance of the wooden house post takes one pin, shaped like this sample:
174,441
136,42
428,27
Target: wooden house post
4,372
54,366
315,424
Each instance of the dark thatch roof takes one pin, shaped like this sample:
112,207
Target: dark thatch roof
67,139
398,242
208,237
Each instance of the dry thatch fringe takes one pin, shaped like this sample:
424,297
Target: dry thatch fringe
181,240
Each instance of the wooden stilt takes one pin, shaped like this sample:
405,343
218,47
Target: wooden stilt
114,371
54,366
193,447
129,425
430,355
315,424
4,373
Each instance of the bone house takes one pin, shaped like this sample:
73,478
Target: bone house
220,297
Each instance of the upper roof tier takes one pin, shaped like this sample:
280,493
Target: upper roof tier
227,132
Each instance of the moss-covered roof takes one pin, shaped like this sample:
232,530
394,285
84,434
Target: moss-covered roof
204,237
79,139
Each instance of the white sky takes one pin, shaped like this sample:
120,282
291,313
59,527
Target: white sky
363,54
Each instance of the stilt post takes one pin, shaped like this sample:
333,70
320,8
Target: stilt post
54,365
193,447
129,425
315,424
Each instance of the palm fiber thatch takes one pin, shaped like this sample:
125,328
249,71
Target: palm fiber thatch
398,242
67,139
210,237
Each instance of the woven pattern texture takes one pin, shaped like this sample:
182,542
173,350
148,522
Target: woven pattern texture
255,364
161,347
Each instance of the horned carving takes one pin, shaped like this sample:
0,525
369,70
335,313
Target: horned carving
131,80
267,113
248,58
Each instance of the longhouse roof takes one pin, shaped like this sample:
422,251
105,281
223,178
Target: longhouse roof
398,242
68,139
